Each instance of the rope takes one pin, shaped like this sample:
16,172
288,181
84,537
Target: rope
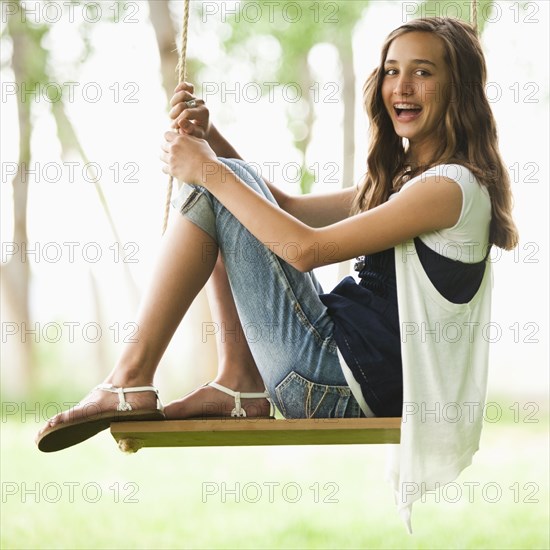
473,15
182,73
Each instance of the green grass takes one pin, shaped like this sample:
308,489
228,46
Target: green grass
157,499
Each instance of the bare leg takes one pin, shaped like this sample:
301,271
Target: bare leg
181,272
236,366
235,360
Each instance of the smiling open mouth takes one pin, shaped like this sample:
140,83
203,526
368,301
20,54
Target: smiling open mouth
406,111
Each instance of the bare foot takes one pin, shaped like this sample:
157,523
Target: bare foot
208,401
99,401
94,414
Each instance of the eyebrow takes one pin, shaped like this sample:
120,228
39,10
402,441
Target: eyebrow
416,61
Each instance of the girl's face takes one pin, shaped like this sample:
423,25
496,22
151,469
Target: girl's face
415,90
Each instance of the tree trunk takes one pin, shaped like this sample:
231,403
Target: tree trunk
306,83
348,96
345,49
165,31
16,272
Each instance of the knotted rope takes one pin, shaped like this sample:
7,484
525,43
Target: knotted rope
182,74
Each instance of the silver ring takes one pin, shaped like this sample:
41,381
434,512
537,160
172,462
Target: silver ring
191,103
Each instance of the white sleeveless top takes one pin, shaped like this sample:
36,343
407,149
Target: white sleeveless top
467,240
445,352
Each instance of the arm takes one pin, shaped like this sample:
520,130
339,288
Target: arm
224,149
315,210
429,205
320,210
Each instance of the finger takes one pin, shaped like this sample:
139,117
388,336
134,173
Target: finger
182,121
170,136
179,97
176,110
186,126
187,86
184,117
193,113
181,107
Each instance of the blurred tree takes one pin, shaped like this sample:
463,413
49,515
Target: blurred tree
34,72
165,33
298,26
26,58
33,69
451,8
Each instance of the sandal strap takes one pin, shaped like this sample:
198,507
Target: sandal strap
123,405
237,395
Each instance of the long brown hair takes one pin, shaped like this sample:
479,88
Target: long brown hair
469,136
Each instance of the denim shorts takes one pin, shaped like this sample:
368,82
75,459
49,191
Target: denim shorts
288,329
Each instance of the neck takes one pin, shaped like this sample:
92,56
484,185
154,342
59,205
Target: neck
418,157
421,153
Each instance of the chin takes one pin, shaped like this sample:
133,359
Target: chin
404,134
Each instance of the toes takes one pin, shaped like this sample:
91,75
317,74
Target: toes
54,420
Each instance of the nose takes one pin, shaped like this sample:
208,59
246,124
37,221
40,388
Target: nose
403,86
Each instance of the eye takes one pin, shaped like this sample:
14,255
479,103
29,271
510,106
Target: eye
422,72
390,72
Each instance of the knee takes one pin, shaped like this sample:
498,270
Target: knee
250,173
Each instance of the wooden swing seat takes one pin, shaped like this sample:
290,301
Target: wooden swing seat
132,436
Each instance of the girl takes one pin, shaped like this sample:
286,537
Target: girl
435,189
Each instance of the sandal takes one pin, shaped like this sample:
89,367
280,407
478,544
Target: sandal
238,411
66,434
